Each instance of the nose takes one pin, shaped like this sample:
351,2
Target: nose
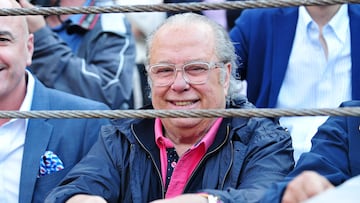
180,83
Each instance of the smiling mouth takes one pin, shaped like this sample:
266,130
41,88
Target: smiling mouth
184,103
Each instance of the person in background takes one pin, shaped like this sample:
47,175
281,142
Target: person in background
90,55
189,66
333,159
35,154
226,18
142,24
299,57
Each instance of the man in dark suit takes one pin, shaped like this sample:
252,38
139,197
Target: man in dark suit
299,57
35,154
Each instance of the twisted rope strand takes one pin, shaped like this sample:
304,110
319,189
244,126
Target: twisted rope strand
203,113
168,7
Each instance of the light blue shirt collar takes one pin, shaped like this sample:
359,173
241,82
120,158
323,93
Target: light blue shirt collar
339,23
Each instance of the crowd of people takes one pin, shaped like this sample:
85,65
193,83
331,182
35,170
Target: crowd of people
293,57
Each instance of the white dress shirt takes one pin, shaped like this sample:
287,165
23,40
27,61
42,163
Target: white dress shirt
12,138
313,80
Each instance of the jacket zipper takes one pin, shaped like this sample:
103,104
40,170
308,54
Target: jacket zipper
153,161
208,154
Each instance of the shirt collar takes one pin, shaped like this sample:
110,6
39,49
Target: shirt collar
207,140
26,104
304,17
339,22
160,139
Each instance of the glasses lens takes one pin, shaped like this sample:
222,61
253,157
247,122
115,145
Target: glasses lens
162,75
197,73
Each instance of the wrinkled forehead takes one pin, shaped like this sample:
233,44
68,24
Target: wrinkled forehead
14,23
184,28
181,42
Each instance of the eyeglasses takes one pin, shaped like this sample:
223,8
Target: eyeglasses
195,73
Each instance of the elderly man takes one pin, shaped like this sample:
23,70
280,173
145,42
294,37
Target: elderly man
190,59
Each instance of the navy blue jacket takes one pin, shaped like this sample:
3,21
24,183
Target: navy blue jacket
334,153
263,41
124,166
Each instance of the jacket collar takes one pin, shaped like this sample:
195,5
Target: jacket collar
285,23
354,16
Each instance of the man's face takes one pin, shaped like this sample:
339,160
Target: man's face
180,45
16,47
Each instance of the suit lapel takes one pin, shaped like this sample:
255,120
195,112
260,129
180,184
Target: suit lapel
36,141
37,137
354,15
284,28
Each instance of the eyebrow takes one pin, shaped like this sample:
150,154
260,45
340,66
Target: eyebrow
7,33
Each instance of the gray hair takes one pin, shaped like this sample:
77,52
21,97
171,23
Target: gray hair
224,49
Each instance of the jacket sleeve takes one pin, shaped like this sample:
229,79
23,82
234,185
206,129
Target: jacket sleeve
264,156
102,70
88,178
328,156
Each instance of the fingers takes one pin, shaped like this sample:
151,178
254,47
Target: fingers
25,4
305,186
35,22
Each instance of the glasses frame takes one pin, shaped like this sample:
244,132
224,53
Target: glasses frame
210,65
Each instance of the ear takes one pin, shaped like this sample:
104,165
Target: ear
30,49
227,68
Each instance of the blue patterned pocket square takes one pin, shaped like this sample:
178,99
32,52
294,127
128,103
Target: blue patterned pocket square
50,163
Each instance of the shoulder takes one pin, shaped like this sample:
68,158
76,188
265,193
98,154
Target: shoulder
256,129
341,123
118,132
70,101
355,9
56,99
350,103
261,13
266,129
262,18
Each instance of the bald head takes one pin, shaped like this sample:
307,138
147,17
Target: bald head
15,30
20,20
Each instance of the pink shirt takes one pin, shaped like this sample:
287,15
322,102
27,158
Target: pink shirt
187,163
